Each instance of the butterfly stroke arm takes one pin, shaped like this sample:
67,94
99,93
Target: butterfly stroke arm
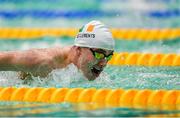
33,60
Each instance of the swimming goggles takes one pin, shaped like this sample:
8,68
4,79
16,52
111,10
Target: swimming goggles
100,55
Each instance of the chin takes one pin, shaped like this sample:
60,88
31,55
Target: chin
91,78
91,75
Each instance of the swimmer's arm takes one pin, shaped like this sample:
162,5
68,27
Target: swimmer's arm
30,60
19,60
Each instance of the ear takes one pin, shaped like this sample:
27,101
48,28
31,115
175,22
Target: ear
78,50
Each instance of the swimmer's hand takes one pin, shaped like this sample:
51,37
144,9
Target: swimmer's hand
25,75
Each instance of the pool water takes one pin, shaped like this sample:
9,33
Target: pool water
72,14
24,109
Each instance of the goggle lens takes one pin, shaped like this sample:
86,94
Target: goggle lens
101,56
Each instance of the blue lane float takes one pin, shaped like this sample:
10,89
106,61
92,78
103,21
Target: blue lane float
165,13
9,14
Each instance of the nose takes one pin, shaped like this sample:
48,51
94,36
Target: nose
102,63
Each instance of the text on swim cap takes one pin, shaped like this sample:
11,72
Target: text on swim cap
86,35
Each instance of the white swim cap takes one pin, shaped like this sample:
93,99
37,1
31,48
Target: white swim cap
95,35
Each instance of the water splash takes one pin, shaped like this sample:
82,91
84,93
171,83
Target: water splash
9,79
112,77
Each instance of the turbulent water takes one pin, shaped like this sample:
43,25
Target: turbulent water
113,77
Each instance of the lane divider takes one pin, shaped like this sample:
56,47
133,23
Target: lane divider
125,34
79,13
50,14
132,98
145,59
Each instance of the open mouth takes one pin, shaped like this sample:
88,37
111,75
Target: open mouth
96,71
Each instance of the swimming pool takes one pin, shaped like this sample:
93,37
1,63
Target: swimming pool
129,78
113,77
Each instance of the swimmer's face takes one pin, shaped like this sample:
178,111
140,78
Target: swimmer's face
93,61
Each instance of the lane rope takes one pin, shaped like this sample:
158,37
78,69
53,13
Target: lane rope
125,34
132,98
145,59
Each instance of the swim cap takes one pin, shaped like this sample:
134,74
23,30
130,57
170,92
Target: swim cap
95,35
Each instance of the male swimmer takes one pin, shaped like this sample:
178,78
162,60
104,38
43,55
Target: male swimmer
92,49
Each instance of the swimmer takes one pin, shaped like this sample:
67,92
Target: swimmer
93,48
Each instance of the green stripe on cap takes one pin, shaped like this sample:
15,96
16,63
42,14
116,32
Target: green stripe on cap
80,30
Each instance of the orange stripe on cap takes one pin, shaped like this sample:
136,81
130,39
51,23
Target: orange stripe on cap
90,28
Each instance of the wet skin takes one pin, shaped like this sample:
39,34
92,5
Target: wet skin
90,65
